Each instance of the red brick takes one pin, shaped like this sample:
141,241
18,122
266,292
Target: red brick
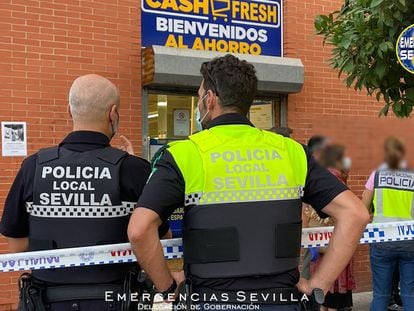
56,41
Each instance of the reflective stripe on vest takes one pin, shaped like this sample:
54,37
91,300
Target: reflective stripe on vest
243,188
393,195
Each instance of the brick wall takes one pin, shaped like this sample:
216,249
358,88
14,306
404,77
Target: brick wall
326,107
44,45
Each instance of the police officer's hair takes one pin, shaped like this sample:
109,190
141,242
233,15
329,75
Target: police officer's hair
233,80
394,149
316,143
332,155
91,97
282,130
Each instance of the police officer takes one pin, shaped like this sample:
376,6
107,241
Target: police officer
79,193
242,190
390,190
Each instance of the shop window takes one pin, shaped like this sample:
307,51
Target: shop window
172,117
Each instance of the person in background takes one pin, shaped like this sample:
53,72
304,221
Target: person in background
395,303
282,130
339,297
316,145
391,202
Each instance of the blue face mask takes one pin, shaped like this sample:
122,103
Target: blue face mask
198,118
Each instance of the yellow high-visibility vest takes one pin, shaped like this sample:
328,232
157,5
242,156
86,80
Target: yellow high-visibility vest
243,190
393,195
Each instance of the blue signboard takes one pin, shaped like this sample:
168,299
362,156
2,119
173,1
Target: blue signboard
405,49
229,26
175,221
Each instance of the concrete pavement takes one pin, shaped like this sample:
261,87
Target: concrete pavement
362,301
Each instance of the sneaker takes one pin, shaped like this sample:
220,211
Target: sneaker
395,307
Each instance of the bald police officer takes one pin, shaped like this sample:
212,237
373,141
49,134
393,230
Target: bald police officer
78,193
242,189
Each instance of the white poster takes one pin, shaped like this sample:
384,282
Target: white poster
14,139
181,122
261,116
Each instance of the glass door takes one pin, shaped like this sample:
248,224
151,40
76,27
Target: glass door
172,117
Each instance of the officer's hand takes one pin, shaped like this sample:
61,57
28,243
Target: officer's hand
304,286
178,276
126,145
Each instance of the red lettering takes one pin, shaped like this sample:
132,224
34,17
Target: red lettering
124,253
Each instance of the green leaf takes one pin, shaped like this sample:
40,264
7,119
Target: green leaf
349,80
387,98
409,93
384,47
375,3
408,110
380,69
390,46
396,107
346,42
384,110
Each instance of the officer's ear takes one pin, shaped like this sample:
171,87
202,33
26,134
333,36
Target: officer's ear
212,100
70,112
113,114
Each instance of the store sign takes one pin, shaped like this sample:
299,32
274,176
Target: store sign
405,49
231,26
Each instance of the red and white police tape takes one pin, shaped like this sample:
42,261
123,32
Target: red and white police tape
122,253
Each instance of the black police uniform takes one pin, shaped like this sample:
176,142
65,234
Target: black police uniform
165,192
79,193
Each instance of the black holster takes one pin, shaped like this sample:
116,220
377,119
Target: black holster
315,302
31,295
183,301
139,290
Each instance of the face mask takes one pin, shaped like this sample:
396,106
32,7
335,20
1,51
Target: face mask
114,128
199,120
347,163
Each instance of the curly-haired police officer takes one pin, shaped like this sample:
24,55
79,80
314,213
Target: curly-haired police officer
242,189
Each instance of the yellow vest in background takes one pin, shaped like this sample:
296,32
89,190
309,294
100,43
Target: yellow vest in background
393,195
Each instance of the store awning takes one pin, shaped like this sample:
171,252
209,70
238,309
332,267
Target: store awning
175,68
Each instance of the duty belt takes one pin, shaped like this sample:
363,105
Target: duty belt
80,292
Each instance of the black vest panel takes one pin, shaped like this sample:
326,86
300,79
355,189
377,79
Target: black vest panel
76,202
242,239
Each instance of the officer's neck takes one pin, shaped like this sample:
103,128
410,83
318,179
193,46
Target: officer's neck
215,113
93,128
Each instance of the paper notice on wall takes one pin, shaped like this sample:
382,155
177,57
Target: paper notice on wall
181,122
262,116
14,139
